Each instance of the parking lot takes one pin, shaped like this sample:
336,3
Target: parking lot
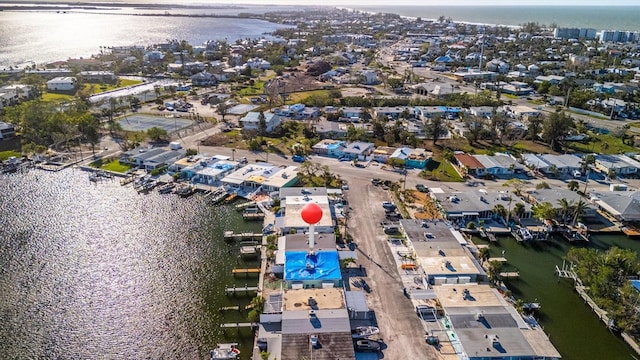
137,122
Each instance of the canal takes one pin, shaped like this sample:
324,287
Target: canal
572,326
98,271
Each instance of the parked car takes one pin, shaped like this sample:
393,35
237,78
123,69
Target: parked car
298,158
422,188
367,345
388,205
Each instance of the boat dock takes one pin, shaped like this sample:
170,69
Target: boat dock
245,205
510,275
230,235
229,308
248,251
256,216
238,325
492,237
498,259
573,236
246,271
234,289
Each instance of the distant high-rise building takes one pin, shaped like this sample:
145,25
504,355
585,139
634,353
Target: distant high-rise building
575,33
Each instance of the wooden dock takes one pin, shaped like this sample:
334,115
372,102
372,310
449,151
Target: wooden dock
229,308
230,235
510,275
492,237
238,325
238,289
255,216
246,271
245,205
498,259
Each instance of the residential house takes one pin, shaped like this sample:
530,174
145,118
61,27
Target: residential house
67,83
359,150
260,176
468,206
548,163
412,158
17,92
619,164
353,112
469,164
208,170
499,164
382,154
7,131
203,78
481,111
370,77
390,112
622,205
151,158
251,121
98,77
329,147
553,197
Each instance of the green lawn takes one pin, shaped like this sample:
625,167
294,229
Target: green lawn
441,171
601,144
110,165
99,88
56,97
256,89
4,155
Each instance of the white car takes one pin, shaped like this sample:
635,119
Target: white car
314,340
577,174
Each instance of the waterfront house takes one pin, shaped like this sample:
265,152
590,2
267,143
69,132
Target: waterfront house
260,176
208,170
553,197
329,147
462,207
389,112
622,205
98,77
441,253
412,158
293,199
67,83
251,121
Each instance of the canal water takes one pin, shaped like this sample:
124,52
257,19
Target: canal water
572,326
95,270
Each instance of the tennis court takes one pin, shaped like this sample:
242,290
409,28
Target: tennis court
137,122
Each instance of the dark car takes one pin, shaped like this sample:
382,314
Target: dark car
298,158
367,345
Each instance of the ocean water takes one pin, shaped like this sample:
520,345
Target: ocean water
97,271
596,17
47,36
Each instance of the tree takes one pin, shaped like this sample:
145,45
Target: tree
586,162
156,133
544,211
565,209
223,109
578,210
484,254
499,211
535,126
493,271
555,128
435,128
573,185
500,124
519,210
262,124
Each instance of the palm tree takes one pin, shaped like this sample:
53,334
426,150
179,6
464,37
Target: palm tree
573,185
565,209
493,271
578,210
519,210
499,211
483,255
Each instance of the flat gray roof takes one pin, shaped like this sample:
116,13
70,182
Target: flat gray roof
333,346
476,201
553,195
356,301
300,242
324,321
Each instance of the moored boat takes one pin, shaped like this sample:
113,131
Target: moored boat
363,332
225,351
166,188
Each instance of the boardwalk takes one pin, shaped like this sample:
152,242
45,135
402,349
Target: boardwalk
240,289
230,235
238,325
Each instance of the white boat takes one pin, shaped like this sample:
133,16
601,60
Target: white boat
526,234
363,332
225,351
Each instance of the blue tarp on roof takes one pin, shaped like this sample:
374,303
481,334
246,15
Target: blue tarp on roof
636,284
323,265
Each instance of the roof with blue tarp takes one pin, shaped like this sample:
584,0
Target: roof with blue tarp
636,284
322,265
